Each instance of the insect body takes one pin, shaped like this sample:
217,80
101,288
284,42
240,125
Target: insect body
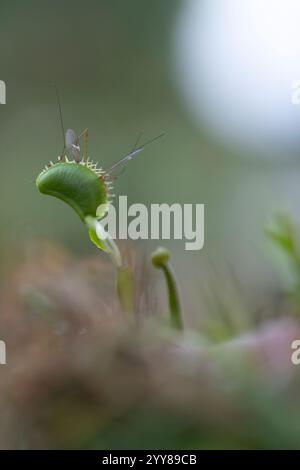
72,145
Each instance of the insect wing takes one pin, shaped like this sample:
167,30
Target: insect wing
72,145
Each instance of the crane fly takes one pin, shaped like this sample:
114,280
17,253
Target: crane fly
72,145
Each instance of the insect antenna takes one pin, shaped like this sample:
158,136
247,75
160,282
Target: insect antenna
61,121
60,113
70,139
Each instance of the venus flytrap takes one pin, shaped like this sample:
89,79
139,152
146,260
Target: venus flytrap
160,259
87,189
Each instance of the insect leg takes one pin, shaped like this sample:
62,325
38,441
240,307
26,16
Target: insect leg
62,156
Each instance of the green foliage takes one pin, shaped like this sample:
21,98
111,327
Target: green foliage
284,235
96,240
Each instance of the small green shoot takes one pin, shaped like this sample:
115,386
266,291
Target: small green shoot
160,259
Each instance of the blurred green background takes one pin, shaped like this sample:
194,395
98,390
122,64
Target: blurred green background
77,375
114,64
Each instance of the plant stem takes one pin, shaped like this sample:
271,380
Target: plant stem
160,259
124,285
125,290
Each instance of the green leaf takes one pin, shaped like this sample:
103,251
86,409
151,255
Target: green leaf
96,240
